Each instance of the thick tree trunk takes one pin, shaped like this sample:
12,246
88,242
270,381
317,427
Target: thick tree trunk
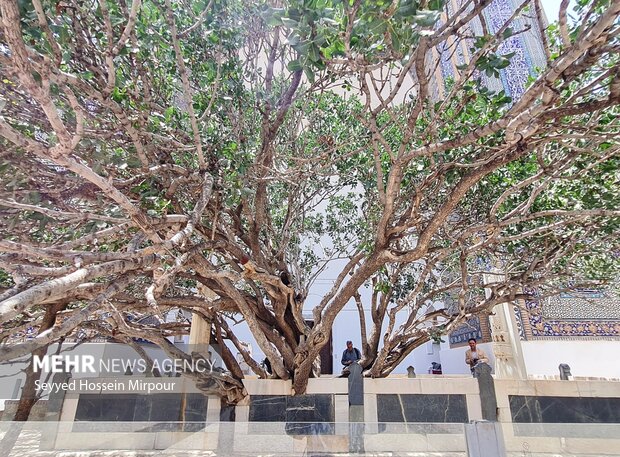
302,375
28,397
29,392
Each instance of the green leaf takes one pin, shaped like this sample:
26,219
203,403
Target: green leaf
294,65
273,16
314,53
436,5
426,18
329,21
377,25
309,74
406,9
118,95
288,22
327,52
293,39
480,41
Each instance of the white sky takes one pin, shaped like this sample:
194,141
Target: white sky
552,9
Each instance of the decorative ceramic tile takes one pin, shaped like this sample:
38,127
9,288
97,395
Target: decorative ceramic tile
526,46
514,77
477,327
569,322
590,304
470,329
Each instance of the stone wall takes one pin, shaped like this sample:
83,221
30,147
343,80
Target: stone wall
578,417
423,414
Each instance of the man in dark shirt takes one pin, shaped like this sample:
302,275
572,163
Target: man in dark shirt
349,356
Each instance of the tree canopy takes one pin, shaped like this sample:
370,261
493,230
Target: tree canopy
215,156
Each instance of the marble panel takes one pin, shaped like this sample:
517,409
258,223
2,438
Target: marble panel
303,414
267,408
310,415
165,407
196,406
421,408
535,409
109,408
310,408
142,408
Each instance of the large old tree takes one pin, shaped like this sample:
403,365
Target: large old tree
214,156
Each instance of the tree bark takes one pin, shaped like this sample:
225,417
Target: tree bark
29,392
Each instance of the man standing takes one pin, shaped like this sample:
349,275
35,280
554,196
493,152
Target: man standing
474,355
349,356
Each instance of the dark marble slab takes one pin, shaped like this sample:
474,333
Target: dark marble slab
303,414
310,415
570,410
267,408
195,407
142,408
106,408
310,408
166,407
422,408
